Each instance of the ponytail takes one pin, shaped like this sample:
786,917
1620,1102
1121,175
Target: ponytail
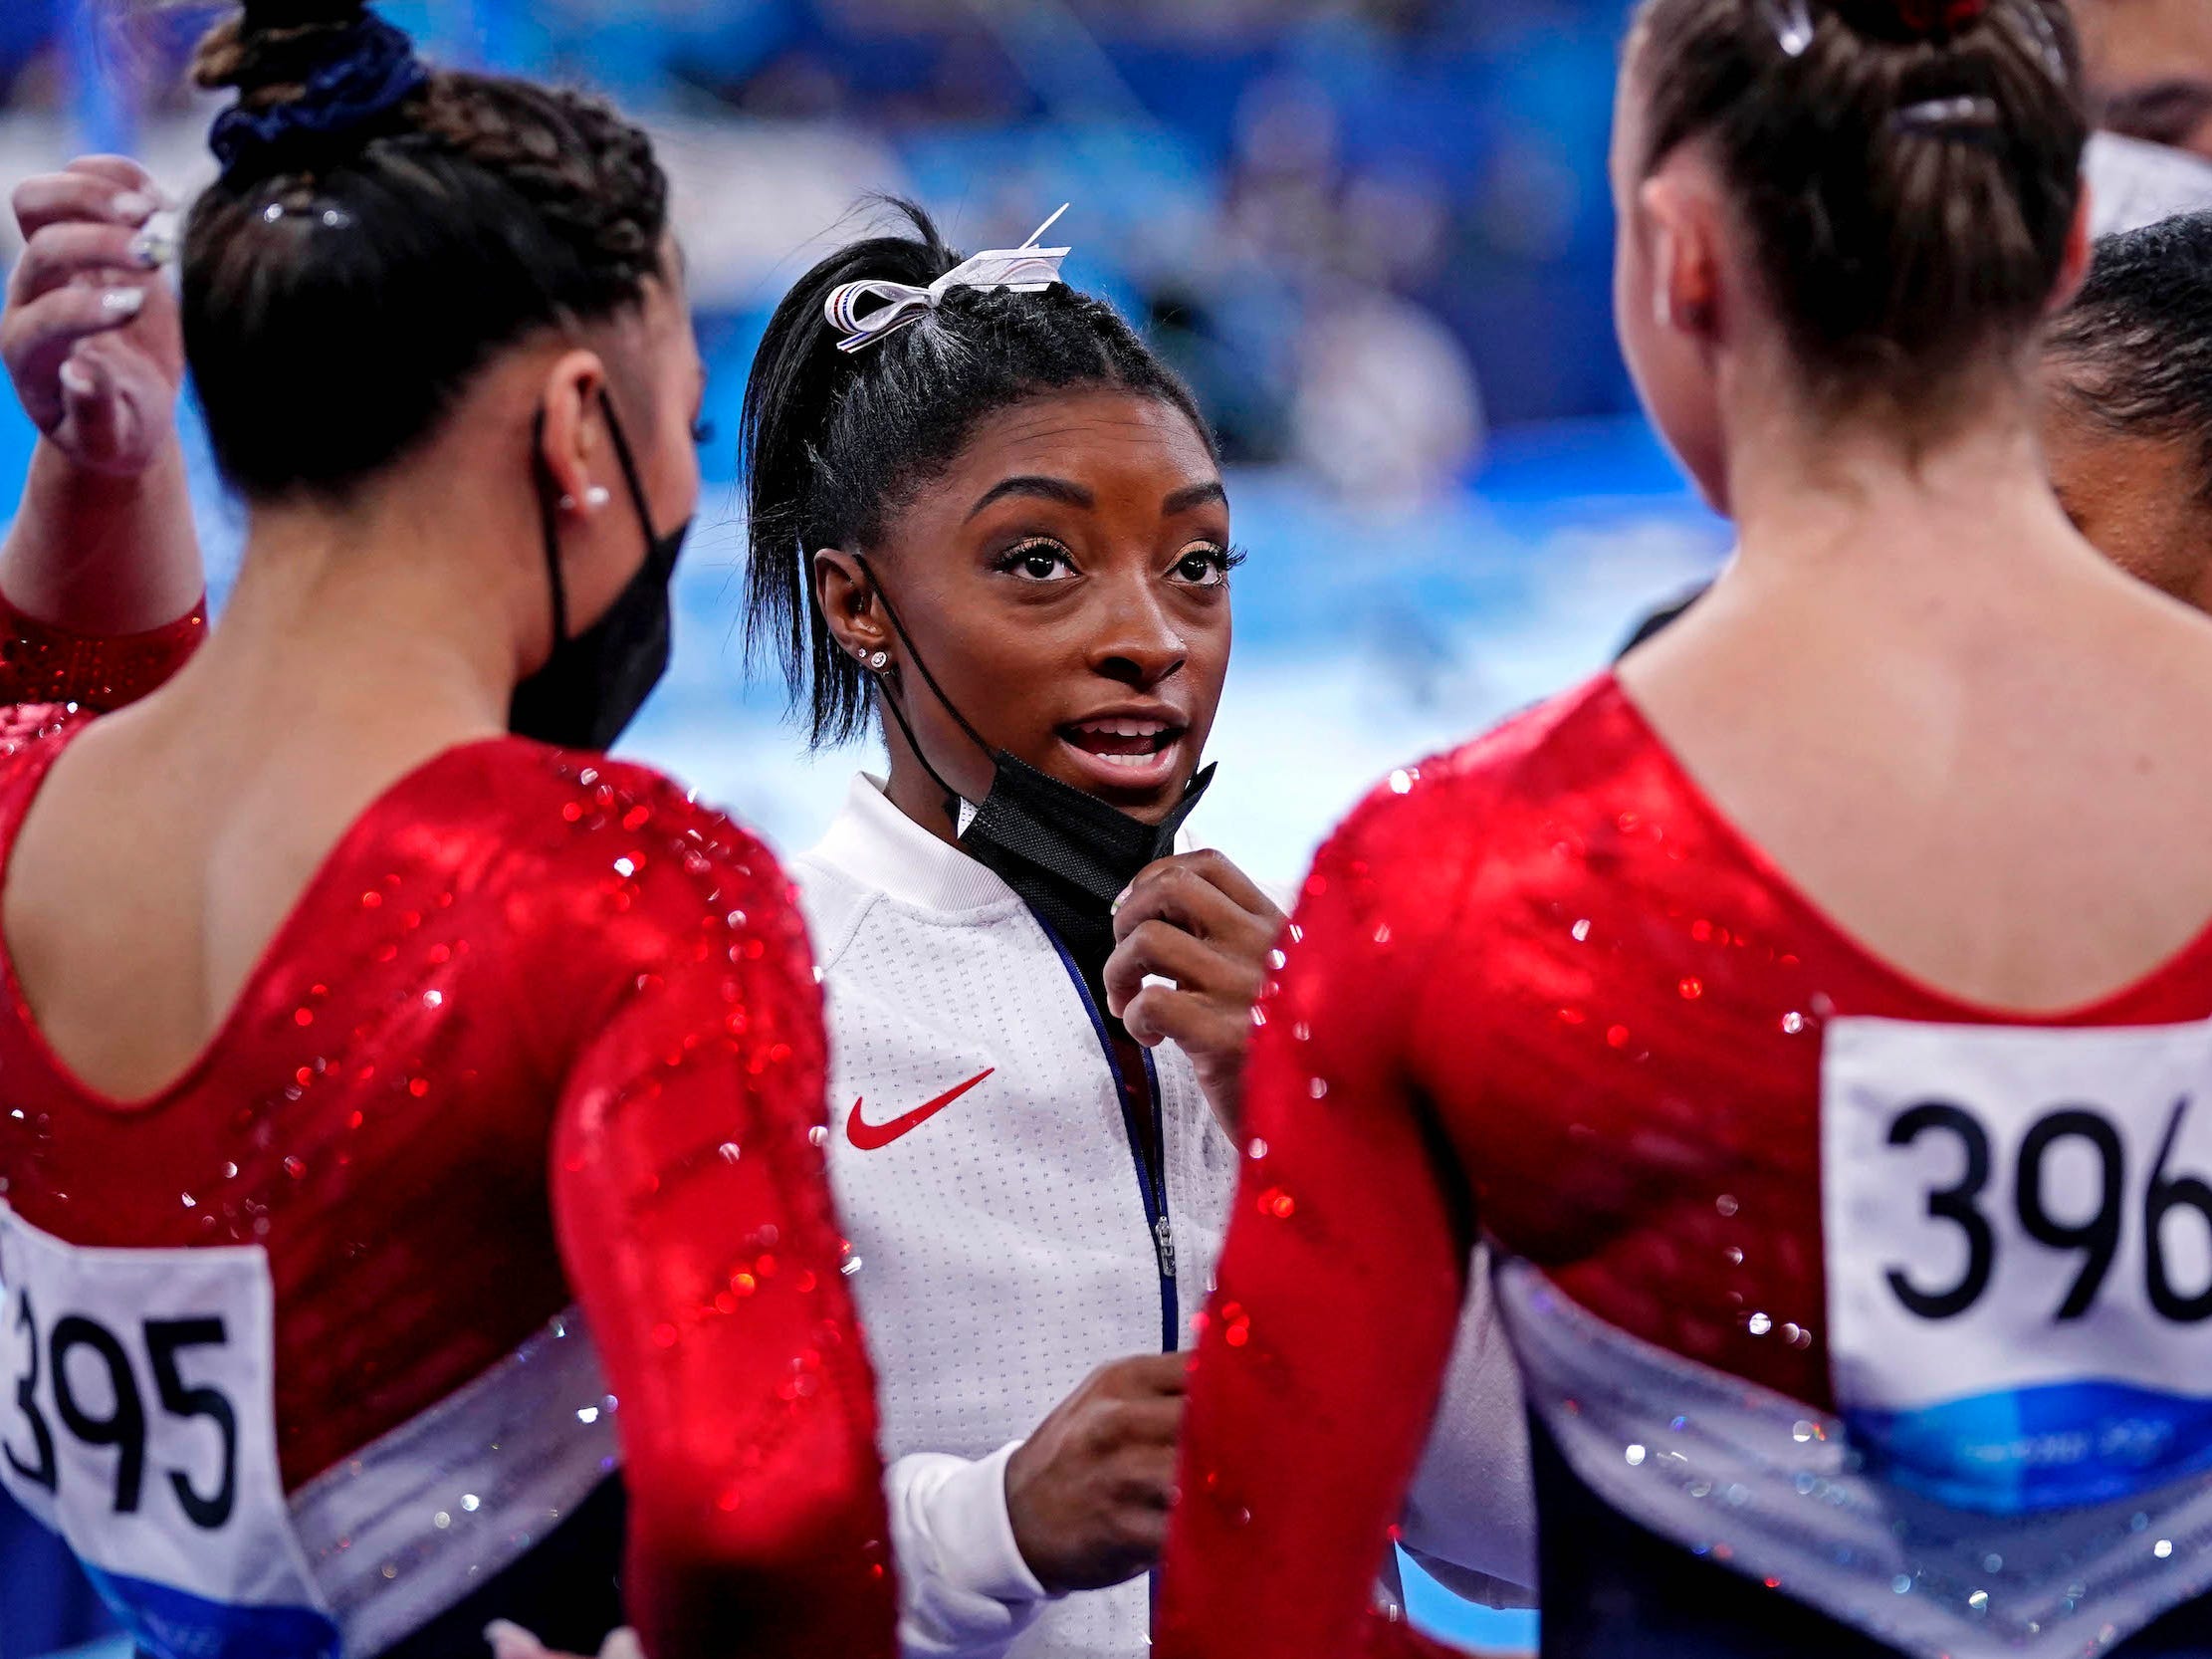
793,504
1906,171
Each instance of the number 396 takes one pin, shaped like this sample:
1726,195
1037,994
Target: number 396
123,1425
2097,1237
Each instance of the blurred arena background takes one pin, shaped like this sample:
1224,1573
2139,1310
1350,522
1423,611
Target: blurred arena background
1374,233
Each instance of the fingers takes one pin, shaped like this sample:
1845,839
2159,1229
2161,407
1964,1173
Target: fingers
89,400
83,197
1140,1489
1146,1373
99,422
1141,1529
510,1641
57,320
61,253
1156,947
1198,1024
1216,871
1196,920
90,382
38,340
1088,1492
123,172
1117,1428
1148,1478
1204,894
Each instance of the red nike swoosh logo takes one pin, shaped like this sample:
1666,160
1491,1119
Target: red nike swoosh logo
873,1137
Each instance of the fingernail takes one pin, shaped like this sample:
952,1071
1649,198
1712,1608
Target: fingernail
123,302
1123,897
73,379
623,1644
135,207
511,1641
151,250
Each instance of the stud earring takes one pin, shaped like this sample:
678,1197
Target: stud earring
880,661
594,498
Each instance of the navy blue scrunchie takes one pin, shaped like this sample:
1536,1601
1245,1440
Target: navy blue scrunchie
372,70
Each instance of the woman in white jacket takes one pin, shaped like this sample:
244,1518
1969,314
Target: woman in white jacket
987,519
1029,1239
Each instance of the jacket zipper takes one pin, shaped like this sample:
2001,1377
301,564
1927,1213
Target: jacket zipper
1147,1151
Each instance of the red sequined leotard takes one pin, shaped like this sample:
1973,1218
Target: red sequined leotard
1853,1318
41,664
289,1352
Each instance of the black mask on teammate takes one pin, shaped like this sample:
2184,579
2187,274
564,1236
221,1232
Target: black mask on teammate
1067,853
593,684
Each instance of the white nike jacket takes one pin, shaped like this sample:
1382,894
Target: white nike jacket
1008,1237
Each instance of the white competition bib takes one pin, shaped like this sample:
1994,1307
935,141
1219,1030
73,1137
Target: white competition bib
137,1421
2018,1254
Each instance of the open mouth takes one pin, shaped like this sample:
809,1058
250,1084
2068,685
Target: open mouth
1123,745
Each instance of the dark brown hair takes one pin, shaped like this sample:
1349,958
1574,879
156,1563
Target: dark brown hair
1907,174
381,230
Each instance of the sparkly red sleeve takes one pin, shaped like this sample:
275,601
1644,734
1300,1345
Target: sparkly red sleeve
1339,1291
40,663
695,1225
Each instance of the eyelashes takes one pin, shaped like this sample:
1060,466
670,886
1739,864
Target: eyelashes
1036,548
1218,560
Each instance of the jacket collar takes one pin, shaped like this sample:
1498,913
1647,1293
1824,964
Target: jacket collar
874,843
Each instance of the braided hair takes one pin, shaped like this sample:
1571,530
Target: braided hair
382,229
833,443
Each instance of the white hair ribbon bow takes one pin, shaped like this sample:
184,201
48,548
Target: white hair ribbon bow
1027,269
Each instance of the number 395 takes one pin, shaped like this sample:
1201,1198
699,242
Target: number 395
123,1425
2097,1237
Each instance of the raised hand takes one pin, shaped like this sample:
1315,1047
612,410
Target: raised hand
1199,921
90,336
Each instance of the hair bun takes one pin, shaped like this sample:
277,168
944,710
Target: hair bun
1911,19
271,44
307,75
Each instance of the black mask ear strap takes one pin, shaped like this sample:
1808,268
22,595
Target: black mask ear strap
549,517
907,640
952,796
891,700
629,463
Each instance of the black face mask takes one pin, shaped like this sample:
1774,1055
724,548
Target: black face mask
1067,853
593,684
